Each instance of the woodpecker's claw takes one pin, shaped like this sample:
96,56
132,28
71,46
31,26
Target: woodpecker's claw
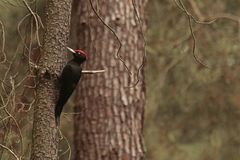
70,49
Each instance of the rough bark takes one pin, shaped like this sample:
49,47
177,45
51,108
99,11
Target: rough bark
110,115
45,137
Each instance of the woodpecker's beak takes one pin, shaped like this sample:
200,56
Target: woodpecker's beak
70,50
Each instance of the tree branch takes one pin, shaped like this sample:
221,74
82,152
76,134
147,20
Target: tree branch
92,71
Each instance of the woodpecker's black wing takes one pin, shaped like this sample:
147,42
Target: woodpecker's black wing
69,78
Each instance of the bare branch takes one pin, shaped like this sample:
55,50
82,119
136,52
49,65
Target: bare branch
36,18
10,151
3,43
92,71
190,17
144,45
68,149
196,10
181,6
202,20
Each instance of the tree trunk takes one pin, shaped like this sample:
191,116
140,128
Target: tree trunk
45,137
109,123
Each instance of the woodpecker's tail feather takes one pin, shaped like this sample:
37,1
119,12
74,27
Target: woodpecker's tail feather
58,111
57,119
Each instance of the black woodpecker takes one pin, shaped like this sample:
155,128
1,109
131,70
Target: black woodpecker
68,80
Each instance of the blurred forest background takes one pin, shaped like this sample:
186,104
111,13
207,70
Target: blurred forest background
192,111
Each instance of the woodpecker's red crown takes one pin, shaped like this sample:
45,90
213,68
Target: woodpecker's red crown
78,52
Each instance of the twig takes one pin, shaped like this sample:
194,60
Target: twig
71,113
214,17
37,20
3,43
5,84
183,8
196,10
8,104
13,118
190,17
19,29
144,44
114,33
92,71
9,150
68,149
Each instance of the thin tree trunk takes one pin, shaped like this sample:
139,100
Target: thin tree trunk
109,122
45,137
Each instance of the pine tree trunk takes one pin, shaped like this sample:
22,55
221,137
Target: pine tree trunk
45,134
109,123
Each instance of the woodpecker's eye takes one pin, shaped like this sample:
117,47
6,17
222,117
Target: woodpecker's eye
82,53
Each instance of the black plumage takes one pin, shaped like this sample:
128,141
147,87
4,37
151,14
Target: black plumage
69,78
